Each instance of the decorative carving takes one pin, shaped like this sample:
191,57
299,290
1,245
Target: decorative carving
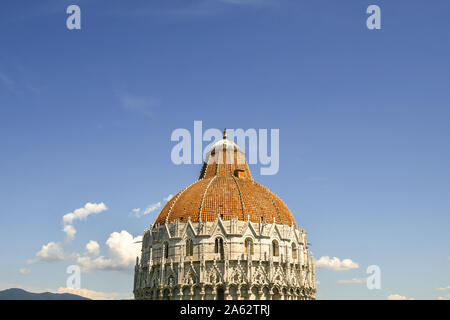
206,275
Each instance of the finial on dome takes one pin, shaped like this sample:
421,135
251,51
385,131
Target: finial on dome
225,133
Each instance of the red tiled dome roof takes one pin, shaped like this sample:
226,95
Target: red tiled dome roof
225,188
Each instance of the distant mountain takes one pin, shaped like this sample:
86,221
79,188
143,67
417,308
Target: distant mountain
19,294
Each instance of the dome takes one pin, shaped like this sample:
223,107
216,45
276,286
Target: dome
225,237
225,189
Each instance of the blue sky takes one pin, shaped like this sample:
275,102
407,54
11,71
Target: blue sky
86,116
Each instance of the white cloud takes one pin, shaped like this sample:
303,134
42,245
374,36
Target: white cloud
396,296
24,271
444,288
53,251
446,297
123,249
354,280
50,252
91,294
168,198
141,104
80,214
92,248
138,212
83,213
70,232
135,211
336,264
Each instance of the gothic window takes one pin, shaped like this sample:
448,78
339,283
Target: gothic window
220,294
189,248
218,247
166,250
170,281
166,294
294,251
248,246
275,250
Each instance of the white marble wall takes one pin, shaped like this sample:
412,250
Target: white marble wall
234,273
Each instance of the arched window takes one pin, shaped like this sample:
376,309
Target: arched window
218,247
220,294
166,250
170,281
189,247
294,251
275,251
166,293
248,246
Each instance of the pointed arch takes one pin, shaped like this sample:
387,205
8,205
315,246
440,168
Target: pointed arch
249,246
189,248
275,248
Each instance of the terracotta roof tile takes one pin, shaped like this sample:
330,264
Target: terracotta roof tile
220,190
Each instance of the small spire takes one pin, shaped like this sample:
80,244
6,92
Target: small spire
225,133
